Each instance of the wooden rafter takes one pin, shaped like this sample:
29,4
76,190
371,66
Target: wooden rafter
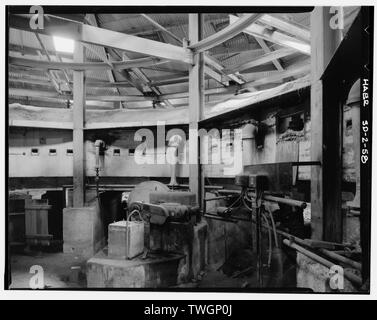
266,58
92,19
106,38
50,74
275,37
54,65
160,27
232,89
267,49
227,33
299,32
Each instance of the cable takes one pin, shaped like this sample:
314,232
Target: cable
248,198
246,205
240,197
132,213
273,226
269,241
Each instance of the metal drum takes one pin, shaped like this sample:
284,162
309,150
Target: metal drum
142,190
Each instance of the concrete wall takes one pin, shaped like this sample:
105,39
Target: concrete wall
24,163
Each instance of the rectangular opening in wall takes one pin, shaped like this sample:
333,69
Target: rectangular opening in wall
116,152
131,152
52,152
34,152
69,152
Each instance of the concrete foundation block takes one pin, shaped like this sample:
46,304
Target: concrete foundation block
156,271
316,276
186,238
82,230
224,238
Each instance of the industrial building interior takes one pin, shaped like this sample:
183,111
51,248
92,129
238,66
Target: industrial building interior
185,151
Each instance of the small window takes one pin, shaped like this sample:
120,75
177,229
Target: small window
69,152
131,152
116,152
34,152
52,152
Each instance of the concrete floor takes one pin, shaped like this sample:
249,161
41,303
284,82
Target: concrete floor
58,273
56,268
212,279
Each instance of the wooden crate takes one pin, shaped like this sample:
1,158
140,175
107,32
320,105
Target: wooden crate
36,222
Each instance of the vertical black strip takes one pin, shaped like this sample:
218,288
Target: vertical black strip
366,87
7,269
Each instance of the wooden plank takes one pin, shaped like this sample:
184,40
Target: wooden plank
214,64
106,38
160,27
49,73
266,58
227,33
53,95
324,45
300,32
267,49
117,65
196,100
78,129
275,37
294,71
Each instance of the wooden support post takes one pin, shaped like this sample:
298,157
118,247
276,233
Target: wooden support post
196,100
78,129
323,46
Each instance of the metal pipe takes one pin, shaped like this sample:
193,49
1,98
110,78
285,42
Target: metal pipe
340,258
215,217
231,218
290,202
217,198
350,276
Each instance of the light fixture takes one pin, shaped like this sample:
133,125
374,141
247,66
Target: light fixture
63,44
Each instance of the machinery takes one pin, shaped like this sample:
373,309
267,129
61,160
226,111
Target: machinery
261,204
160,224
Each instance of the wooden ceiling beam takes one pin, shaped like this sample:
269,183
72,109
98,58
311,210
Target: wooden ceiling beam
92,19
275,36
292,72
266,58
299,32
274,78
225,34
54,65
267,49
106,38
50,94
162,28
212,62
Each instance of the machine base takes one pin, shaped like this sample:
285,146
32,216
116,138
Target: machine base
156,271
